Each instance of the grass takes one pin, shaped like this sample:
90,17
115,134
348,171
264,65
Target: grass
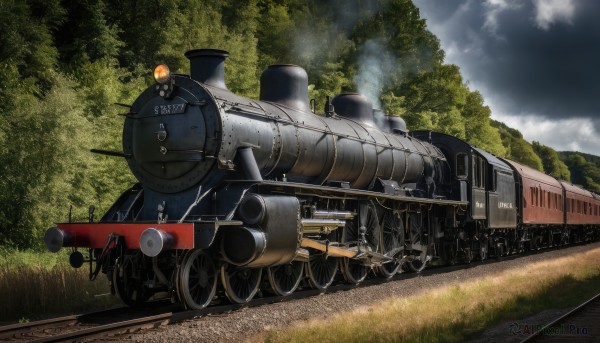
38,285
460,312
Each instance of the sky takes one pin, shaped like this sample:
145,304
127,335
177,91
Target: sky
536,63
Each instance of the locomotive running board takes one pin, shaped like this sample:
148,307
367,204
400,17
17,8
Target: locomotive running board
298,188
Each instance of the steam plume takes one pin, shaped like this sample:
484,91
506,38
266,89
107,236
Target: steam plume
375,65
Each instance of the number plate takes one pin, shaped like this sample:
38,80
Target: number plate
169,109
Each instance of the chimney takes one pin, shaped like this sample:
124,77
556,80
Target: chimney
285,84
207,66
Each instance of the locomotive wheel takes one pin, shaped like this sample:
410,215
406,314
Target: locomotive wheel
197,280
321,270
285,279
354,271
393,243
241,284
129,287
416,263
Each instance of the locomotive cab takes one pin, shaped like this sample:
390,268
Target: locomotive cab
478,177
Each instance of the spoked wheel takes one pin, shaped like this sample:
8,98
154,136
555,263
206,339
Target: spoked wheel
416,263
393,243
128,280
417,257
241,284
353,270
321,270
285,279
197,280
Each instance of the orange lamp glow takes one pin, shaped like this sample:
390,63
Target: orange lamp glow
162,74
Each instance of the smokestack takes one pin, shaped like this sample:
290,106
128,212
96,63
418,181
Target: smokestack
285,84
208,66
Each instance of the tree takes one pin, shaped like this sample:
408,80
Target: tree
551,162
517,148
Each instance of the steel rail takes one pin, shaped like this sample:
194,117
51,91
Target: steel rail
576,310
103,330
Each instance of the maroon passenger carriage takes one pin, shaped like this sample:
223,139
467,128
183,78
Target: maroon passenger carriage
582,211
552,212
540,201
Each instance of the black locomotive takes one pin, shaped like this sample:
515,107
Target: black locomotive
265,193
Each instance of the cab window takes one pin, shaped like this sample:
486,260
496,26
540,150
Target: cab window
461,165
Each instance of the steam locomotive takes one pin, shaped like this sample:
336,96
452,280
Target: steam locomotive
237,195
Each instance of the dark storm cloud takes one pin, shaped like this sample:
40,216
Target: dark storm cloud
525,64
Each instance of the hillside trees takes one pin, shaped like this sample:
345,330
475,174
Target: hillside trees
517,148
551,161
584,168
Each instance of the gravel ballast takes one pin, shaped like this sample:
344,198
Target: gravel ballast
248,322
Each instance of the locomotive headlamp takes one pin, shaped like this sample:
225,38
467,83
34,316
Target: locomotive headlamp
162,74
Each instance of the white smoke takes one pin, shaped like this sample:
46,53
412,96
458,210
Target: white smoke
375,66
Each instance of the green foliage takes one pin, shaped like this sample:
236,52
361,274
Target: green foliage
551,161
26,41
86,36
517,148
478,128
584,168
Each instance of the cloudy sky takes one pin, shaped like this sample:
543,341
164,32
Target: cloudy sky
536,62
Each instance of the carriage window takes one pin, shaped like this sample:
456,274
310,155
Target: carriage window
476,172
544,199
482,171
461,165
560,202
495,181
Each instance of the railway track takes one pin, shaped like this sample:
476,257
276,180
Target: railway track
119,321
581,324
125,320
67,327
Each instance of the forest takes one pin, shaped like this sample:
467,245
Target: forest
66,65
